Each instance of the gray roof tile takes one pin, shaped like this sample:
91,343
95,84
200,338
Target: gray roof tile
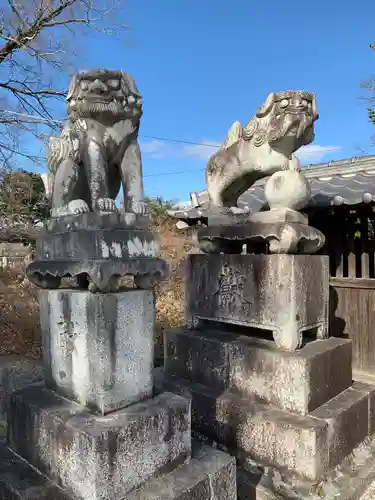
349,182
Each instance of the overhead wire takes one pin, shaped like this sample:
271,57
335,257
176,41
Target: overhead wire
166,139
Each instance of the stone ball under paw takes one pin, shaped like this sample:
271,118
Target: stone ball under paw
287,189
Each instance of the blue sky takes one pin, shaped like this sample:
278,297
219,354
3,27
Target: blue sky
201,65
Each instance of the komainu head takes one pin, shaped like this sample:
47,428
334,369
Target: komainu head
104,95
285,121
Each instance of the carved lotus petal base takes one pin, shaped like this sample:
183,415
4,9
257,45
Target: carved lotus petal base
279,237
98,275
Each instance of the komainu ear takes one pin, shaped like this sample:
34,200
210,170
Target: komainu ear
314,109
267,106
72,87
129,86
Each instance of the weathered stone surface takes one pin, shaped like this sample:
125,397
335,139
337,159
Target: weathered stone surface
279,215
20,481
264,433
345,482
116,220
97,249
98,149
16,372
278,237
98,348
98,275
211,475
99,458
369,390
109,243
286,294
347,416
297,381
250,153
305,445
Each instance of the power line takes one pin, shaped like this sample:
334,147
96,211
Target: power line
60,122
180,141
173,173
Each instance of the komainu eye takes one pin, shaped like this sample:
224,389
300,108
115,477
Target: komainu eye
284,103
84,85
114,84
304,104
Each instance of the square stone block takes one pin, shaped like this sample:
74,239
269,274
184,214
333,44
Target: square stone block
99,457
16,372
20,481
347,416
286,294
271,436
211,475
299,381
349,481
98,348
369,390
308,446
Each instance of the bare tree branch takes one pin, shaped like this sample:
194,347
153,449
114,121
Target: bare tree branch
44,92
35,53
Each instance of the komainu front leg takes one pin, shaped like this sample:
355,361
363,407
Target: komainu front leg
97,176
67,188
132,179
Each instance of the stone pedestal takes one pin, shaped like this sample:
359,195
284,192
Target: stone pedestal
94,430
286,407
99,348
285,294
95,457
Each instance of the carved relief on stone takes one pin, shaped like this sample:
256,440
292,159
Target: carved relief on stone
231,287
67,337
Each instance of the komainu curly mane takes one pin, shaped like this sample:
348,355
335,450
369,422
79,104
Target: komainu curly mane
283,124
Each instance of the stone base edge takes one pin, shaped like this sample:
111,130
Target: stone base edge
20,481
348,481
210,475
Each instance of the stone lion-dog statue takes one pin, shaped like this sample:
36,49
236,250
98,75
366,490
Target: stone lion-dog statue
98,148
283,124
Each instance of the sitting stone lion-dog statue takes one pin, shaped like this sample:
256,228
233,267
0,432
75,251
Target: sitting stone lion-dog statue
283,124
98,148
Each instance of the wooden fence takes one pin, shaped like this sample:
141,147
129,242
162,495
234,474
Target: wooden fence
350,244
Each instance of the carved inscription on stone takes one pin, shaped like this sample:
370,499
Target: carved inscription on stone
231,288
67,337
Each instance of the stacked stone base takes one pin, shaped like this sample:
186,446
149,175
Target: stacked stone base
209,475
140,452
295,413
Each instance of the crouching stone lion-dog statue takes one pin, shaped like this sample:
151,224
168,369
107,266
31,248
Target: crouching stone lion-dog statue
283,124
98,148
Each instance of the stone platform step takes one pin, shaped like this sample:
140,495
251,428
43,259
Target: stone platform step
308,446
298,381
349,481
20,481
210,475
96,457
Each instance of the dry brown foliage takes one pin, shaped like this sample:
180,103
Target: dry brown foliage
19,310
170,294
19,315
